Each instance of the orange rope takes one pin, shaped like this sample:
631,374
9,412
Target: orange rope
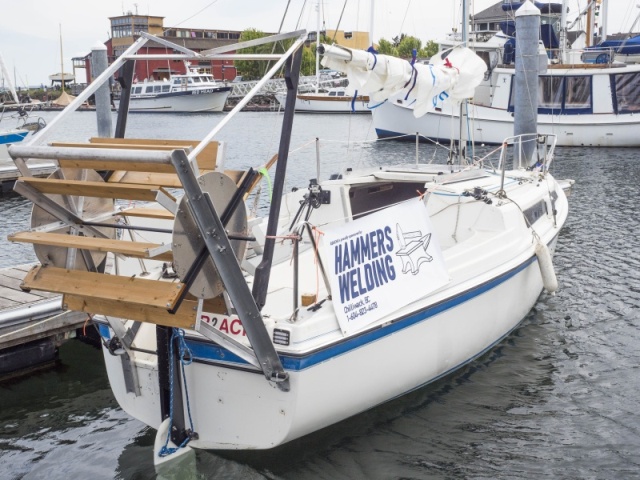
84,327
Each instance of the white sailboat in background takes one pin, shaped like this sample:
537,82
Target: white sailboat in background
582,104
342,99
15,123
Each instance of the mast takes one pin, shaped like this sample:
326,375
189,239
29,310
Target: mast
61,60
463,104
604,13
371,23
7,78
317,46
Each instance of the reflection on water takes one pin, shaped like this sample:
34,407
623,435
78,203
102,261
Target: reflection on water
557,399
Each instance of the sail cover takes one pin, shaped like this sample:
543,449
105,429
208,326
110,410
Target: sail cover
453,78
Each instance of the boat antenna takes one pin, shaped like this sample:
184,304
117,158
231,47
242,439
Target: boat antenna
61,60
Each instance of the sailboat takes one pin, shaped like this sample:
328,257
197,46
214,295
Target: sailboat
341,99
22,125
584,104
228,332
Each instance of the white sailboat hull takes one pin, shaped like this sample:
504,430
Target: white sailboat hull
495,281
235,409
491,126
325,104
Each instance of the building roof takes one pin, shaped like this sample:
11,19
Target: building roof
493,13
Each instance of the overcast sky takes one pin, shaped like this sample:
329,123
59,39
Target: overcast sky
30,29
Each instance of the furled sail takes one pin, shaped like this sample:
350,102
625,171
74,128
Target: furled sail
453,78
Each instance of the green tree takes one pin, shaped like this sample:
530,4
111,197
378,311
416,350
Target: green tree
429,50
385,47
253,69
407,45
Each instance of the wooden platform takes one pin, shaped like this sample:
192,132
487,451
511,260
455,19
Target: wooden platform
57,326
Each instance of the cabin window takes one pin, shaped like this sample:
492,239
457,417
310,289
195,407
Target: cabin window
550,92
176,81
627,90
561,94
149,89
157,88
166,88
137,90
333,94
196,80
370,197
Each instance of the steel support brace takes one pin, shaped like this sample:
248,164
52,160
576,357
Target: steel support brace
219,248
263,271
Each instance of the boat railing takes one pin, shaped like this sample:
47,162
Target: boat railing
529,151
600,55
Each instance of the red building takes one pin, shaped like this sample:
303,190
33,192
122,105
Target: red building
125,30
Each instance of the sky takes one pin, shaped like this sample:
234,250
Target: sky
30,30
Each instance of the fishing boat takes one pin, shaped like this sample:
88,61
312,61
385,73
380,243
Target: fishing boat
191,92
583,104
228,332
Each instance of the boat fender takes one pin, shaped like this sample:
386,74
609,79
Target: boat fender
549,280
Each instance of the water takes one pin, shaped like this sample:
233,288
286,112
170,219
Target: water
557,399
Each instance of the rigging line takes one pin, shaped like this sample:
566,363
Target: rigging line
333,40
304,4
273,47
187,19
406,12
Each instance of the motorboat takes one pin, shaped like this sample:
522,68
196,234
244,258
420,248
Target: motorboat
228,332
191,92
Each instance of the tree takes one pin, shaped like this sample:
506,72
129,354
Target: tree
407,45
385,47
253,69
429,50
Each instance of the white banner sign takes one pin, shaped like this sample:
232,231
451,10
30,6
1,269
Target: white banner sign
382,262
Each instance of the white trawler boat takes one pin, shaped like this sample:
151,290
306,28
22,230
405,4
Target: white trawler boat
189,93
583,104
221,337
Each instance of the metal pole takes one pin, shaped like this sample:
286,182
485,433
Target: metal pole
261,278
125,80
99,64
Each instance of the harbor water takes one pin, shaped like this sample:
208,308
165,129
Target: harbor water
557,399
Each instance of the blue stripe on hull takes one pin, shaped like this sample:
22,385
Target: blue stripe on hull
208,352
405,137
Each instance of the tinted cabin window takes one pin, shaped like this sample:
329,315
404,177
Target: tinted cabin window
368,198
627,89
550,92
561,94
577,92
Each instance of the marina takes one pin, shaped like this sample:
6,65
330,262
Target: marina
382,310
563,384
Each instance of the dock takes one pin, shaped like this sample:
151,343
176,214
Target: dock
9,173
32,325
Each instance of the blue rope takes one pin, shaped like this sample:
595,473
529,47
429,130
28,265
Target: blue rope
183,351
353,101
